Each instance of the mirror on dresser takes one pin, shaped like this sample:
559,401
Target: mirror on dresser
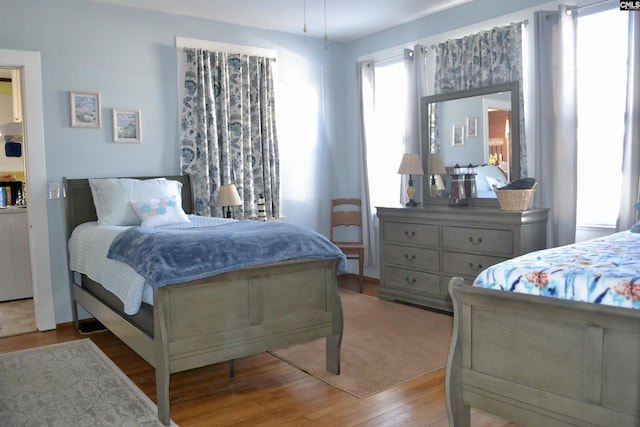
478,127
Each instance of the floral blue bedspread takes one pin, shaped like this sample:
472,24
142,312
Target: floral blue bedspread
602,271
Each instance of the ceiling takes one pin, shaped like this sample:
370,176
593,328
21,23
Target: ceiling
347,20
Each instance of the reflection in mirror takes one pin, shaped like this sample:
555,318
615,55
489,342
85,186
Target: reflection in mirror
471,128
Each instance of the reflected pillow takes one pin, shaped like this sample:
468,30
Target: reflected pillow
498,182
159,212
487,171
112,197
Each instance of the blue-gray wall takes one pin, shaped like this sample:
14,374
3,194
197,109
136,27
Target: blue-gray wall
129,56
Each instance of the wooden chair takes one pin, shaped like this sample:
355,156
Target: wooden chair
348,213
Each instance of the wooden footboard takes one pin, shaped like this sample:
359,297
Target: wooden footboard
243,313
223,317
542,361
232,315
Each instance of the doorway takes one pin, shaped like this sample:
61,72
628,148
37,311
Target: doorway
29,65
496,126
17,311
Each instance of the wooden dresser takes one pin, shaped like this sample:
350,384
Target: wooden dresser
422,248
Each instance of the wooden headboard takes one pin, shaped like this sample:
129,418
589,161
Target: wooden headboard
79,201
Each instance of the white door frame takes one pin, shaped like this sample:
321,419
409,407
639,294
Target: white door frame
29,65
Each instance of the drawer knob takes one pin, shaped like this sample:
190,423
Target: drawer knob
475,241
410,258
411,282
477,269
409,235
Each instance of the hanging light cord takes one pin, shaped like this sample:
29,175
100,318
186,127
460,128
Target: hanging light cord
304,29
326,39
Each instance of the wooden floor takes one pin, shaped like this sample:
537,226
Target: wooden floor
268,391
17,317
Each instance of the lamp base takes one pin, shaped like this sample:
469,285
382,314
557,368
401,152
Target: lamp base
411,193
434,190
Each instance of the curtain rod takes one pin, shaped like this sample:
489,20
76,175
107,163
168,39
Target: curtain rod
525,23
391,58
597,6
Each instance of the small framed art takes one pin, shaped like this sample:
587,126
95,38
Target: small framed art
85,110
457,136
472,127
126,125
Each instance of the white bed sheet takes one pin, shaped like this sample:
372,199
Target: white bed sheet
88,248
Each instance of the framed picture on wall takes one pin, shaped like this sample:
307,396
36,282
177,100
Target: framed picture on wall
472,127
457,136
85,110
126,125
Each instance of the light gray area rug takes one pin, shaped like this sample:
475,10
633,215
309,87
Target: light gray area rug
70,384
384,344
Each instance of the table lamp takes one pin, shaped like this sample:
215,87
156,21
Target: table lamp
436,167
411,166
228,196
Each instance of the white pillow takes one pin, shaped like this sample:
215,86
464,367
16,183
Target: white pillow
482,172
112,197
498,182
159,212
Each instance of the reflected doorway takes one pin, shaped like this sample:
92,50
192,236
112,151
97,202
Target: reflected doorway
497,120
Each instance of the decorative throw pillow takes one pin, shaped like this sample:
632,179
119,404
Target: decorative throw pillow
112,197
159,212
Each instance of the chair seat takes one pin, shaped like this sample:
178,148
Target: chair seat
349,245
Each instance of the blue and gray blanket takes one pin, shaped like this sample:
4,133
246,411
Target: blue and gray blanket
165,255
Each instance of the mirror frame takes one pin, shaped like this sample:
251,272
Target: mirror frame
514,165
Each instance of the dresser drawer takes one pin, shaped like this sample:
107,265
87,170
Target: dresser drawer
412,280
461,264
478,240
407,256
415,234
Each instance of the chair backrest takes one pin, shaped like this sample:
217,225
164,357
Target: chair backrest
346,212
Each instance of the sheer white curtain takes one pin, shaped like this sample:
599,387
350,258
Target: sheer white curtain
631,157
556,123
365,83
416,72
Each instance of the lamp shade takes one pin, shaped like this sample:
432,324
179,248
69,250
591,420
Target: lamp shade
436,166
410,165
228,196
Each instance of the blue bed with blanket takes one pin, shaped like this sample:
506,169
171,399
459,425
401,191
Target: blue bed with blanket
238,289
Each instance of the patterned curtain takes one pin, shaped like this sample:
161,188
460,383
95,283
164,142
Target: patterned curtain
483,59
228,130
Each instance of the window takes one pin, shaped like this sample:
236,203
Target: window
386,147
601,86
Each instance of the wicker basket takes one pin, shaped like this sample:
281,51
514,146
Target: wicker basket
515,200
